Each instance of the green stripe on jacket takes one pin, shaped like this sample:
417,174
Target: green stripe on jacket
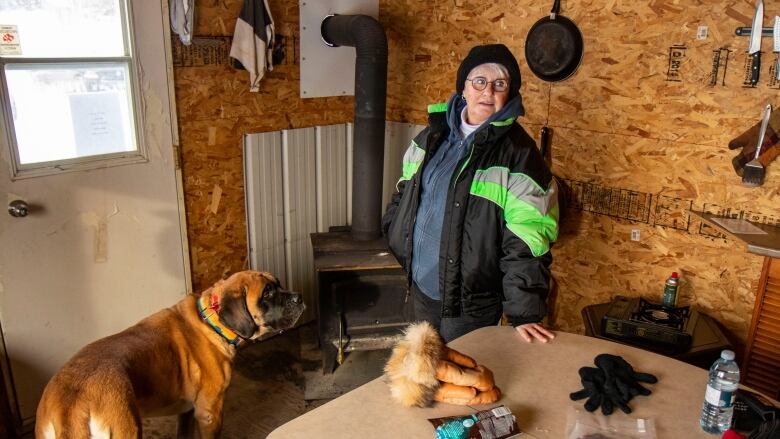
530,211
413,158
437,108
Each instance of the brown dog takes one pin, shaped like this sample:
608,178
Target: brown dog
173,361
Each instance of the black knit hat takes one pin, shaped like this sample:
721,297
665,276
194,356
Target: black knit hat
490,53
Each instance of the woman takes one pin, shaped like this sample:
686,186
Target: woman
476,207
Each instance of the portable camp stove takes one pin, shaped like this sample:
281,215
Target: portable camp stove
640,322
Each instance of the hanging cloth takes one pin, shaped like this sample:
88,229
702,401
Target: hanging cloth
182,19
253,41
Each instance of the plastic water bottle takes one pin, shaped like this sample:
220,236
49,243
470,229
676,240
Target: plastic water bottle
719,398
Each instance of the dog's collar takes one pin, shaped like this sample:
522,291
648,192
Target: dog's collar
208,307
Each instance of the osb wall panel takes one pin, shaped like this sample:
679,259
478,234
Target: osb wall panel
624,123
427,41
596,258
620,126
215,109
633,123
625,84
622,84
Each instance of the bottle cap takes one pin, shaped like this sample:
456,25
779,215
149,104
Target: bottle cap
674,274
727,355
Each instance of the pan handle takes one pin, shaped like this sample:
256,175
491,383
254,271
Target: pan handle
556,9
544,141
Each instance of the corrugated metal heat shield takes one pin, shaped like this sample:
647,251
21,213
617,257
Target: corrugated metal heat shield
298,182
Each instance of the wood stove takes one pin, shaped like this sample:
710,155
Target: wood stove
363,300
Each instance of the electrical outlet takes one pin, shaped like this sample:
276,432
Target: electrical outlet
635,234
702,32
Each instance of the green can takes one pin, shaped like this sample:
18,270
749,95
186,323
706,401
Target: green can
670,290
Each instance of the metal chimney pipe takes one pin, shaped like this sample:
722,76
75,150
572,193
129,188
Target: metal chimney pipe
367,36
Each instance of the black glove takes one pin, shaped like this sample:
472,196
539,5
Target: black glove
593,383
592,388
621,380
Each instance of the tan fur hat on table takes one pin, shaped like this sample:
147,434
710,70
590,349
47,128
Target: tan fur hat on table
422,369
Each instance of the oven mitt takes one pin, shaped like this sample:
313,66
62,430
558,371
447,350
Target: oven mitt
749,138
768,154
454,394
458,358
621,379
479,377
465,395
462,385
486,397
746,142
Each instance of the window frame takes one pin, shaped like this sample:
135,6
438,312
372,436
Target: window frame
40,169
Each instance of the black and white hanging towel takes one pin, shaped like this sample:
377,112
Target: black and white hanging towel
182,19
253,41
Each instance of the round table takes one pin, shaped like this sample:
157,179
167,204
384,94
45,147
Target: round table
535,380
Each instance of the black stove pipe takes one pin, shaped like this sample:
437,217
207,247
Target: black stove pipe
366,35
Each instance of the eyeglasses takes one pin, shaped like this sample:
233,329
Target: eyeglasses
479,83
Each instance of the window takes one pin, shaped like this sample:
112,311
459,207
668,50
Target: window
69,90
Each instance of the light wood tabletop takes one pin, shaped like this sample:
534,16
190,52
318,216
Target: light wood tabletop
535,380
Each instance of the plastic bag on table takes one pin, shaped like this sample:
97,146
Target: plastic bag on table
581,424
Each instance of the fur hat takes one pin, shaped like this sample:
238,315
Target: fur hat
422,369
490,53
412,365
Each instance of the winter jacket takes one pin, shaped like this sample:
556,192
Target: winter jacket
500,219
434,181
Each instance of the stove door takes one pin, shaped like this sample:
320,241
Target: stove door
372,303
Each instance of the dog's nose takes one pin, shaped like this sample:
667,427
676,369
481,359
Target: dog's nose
296,299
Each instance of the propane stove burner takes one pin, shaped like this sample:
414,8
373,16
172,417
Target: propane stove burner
650,324
660,315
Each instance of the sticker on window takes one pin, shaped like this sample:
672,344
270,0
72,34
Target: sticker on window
9,40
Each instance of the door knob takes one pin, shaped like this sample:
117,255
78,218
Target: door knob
18,208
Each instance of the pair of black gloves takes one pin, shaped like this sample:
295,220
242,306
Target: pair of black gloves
612,383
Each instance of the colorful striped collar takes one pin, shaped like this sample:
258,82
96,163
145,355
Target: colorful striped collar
208,307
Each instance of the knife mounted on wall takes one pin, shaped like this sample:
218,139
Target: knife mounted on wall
746,31
776,45
756,30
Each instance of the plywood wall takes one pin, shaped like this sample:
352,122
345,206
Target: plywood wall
626,127
215,110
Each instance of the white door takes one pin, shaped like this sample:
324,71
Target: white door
102,244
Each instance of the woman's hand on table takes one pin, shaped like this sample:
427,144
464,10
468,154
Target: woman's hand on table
531,331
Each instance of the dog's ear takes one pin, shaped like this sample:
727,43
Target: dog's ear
234,314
